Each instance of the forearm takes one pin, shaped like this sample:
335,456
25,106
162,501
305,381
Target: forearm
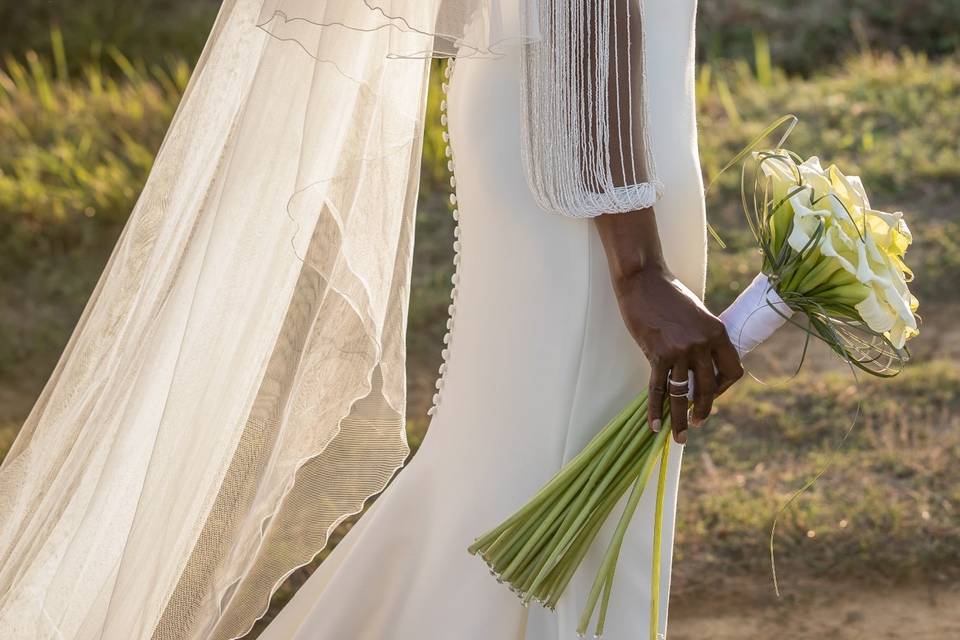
631,242
631,239
625,96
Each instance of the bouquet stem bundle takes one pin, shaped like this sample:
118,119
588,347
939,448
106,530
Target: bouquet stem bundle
538,549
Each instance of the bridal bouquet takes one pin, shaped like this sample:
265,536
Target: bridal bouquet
831,265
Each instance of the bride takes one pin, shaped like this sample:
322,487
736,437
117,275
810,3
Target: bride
235,387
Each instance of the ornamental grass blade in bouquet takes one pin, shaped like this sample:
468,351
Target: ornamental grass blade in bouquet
832,265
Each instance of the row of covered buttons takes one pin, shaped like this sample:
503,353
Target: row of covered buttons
455,281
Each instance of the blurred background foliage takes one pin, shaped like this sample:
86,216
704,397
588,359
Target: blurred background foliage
804,35
145,29
87,90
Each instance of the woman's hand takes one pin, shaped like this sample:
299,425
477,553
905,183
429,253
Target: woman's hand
678,334
673,327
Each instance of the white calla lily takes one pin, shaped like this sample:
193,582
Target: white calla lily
867,244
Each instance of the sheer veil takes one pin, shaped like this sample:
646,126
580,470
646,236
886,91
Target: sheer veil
235,387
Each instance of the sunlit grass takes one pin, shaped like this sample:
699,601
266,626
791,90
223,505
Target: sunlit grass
74,152
889,505
810,37
892,120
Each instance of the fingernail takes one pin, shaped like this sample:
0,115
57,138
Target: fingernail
681,437
656,424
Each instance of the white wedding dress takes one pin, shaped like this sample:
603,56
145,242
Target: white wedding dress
539,360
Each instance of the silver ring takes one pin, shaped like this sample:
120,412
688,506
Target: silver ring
678,383
678,395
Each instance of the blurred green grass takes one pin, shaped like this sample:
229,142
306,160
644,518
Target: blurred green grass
893,120
77,138
805,35
888,506
146,29
74,151
808,36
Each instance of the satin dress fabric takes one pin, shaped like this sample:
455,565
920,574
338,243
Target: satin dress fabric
539,360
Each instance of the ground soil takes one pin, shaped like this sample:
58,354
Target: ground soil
819,610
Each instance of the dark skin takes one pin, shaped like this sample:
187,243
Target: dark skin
676,332
674,329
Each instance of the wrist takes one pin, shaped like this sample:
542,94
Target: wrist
626,276
632,245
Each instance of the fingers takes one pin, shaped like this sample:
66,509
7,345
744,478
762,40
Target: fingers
729,368
715,366
658,391
678,400
704,388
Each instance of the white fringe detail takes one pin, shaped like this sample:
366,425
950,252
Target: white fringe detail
573,126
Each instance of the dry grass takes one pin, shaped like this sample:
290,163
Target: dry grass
887,507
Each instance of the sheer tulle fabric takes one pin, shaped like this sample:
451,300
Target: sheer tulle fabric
451,27
235,387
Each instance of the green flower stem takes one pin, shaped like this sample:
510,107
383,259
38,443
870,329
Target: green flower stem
526,574
561,574
571,562
541,531
787,275
582,485
578,552
505,547
543,544
613,551
532,570
846,294
559,481
635,428
658,542
840,277
597,518
588,534
630,453
502,552
508,543
531,530
520,535
800,272
592,528
565,571
839,310
808,264
825,268
605,600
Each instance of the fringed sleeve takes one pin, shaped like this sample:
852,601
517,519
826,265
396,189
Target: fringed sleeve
586,145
